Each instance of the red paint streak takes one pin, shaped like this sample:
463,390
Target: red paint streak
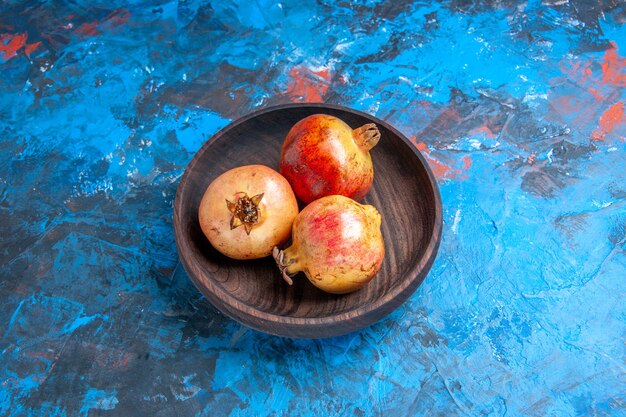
484,129
31,47
613,116
116,18
578,70
49,357
10,44
467,162
597,135
307,85
440,169
613,68
566,104
595,94
88,29
581,108
420,145
598,81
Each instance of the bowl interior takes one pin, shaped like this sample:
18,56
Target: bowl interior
402,192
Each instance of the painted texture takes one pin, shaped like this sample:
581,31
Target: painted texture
517,106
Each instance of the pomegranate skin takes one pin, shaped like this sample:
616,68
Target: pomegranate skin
322,156
272,218
337,243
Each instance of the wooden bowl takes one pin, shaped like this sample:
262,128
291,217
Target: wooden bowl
253,292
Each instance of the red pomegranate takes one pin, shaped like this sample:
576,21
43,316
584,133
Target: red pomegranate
322,155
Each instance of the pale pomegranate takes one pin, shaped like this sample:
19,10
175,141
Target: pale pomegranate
247,211
336,242
322,155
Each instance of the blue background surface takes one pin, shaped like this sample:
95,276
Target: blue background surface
517,106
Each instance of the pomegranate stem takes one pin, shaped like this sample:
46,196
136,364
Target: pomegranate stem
279,257
366,136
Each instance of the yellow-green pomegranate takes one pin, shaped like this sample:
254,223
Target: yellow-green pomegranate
336,242
247,211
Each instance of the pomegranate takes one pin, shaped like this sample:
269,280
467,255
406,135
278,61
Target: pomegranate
336,242
322,155
247,211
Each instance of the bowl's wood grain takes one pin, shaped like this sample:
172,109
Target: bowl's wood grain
252,292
